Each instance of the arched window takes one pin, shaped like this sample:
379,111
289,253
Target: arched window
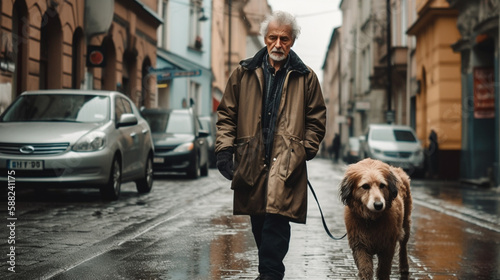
50,75
77,63
129,75
109,71
148,82
20,38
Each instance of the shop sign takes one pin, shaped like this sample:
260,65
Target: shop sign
484,92
166,74
362,105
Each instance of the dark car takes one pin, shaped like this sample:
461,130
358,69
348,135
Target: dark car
208,124
180,143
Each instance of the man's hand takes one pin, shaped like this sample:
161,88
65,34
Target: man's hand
225,163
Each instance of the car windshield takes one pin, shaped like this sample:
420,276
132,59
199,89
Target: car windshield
175,123
390,134
58,107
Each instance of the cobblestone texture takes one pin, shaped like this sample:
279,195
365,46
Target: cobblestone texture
184,230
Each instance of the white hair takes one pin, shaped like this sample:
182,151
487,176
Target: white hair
282,18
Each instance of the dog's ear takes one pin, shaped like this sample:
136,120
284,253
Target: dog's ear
346,187
392,185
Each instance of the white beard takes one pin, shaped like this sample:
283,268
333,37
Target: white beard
279,56
276,57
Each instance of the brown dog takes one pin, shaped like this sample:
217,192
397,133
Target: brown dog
377,215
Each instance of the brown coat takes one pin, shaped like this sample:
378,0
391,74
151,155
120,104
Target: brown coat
280,188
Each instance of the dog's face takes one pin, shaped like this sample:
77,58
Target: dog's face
369,187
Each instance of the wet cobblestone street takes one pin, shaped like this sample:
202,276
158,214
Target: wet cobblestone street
185,230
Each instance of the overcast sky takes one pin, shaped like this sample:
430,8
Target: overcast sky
317,19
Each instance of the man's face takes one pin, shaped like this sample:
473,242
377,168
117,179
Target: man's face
278,41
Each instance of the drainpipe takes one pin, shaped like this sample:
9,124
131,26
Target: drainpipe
339,74
497,111
229,39
389,66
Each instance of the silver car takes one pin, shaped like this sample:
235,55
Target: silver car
397,145
77,138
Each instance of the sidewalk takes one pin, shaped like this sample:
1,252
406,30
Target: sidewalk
475,204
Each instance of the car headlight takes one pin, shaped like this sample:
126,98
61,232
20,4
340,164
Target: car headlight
184,147
90,142
376,151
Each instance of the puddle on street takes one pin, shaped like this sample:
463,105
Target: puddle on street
453,248
230,250
220,248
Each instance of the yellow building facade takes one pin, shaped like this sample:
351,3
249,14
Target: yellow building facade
438,99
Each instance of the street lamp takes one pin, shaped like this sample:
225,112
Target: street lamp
203,17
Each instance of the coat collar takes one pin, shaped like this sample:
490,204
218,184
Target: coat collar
255,62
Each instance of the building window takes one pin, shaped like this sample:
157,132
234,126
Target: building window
164,30
51,39
404,22
365,11
77,59
365,70
20,29
196,11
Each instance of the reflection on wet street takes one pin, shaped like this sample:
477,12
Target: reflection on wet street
231,248
206,242
453,249
460,237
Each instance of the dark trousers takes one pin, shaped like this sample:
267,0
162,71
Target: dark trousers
272,236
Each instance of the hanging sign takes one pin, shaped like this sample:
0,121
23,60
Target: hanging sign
484,92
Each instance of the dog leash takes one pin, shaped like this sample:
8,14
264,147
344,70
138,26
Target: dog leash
323,217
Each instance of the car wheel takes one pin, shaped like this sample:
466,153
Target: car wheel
204,169
111,190
145,184
194,169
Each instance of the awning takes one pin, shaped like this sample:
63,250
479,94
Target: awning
169,73
172,66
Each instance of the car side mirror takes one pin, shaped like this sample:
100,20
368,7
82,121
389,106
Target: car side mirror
127,120
203,133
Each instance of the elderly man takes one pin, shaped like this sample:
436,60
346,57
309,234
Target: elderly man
271,119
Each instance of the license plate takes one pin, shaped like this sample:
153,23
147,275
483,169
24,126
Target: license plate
158,160
25,164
